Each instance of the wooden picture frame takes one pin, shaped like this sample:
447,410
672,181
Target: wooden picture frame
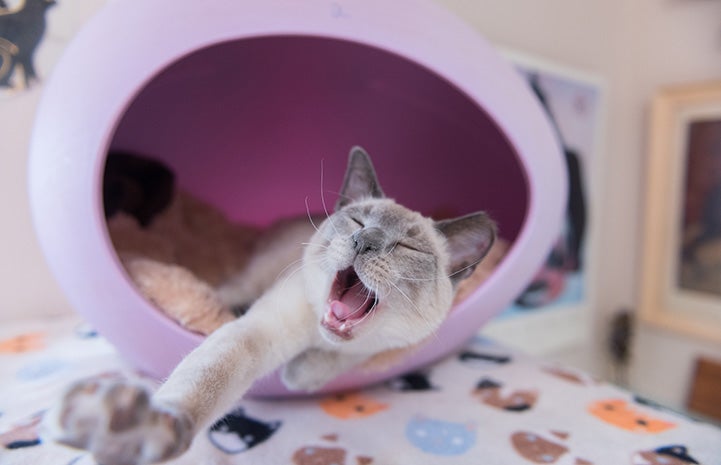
681,267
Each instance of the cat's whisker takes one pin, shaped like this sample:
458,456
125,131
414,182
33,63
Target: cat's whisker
364,318
300,266
287,267
322,198
341,195
361,306
395,244
418,311
290,275
461,270
310,217
370,311
323,246
303,262
414,279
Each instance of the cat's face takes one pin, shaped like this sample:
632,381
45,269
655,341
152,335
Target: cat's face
380,275
382,272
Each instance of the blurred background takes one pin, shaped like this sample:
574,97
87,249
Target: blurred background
619,54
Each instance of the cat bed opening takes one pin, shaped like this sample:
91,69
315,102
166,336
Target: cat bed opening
255,111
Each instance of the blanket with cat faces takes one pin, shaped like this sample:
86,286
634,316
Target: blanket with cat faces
486,404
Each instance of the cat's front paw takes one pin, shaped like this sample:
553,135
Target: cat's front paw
116,421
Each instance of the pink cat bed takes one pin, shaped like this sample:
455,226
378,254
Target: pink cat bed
250,102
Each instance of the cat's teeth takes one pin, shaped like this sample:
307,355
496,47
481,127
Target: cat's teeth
342,327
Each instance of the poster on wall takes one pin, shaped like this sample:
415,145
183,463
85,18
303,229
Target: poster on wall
572,102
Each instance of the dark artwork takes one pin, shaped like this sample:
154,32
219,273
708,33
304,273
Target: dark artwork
21,30
138,186
700,248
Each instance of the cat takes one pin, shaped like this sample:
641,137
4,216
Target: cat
375,276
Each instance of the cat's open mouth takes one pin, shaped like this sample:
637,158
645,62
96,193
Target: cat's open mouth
349,303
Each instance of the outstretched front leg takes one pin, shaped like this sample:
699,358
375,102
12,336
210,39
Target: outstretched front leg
122,424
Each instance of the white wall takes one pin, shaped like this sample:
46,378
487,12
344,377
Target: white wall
634,46
28,289
680,42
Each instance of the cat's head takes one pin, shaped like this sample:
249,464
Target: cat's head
382,276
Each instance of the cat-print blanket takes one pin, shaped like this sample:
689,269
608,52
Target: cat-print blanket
486,404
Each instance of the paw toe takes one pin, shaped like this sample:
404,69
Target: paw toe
178,430
127,405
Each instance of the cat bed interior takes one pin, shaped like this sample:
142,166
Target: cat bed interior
254,105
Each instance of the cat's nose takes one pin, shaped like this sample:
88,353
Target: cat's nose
368,240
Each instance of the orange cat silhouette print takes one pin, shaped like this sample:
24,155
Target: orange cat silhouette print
618,413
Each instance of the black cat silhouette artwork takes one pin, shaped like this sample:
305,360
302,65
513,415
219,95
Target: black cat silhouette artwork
669,455
415,381
470,357
236,432
21,30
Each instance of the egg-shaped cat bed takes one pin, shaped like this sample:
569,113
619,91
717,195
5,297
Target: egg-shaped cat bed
254,105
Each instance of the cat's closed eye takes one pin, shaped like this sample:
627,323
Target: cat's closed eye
357,221
408,246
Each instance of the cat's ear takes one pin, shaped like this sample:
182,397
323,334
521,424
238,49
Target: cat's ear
469,239
360,179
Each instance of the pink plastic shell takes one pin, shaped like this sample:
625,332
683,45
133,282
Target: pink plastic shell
247,100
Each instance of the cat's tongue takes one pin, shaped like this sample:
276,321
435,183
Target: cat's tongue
349,303
340,310
352,304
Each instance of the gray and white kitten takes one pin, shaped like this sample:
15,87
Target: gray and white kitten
375,276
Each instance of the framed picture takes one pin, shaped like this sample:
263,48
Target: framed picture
681,276
551,306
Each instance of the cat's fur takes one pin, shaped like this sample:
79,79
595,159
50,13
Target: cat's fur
375,276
